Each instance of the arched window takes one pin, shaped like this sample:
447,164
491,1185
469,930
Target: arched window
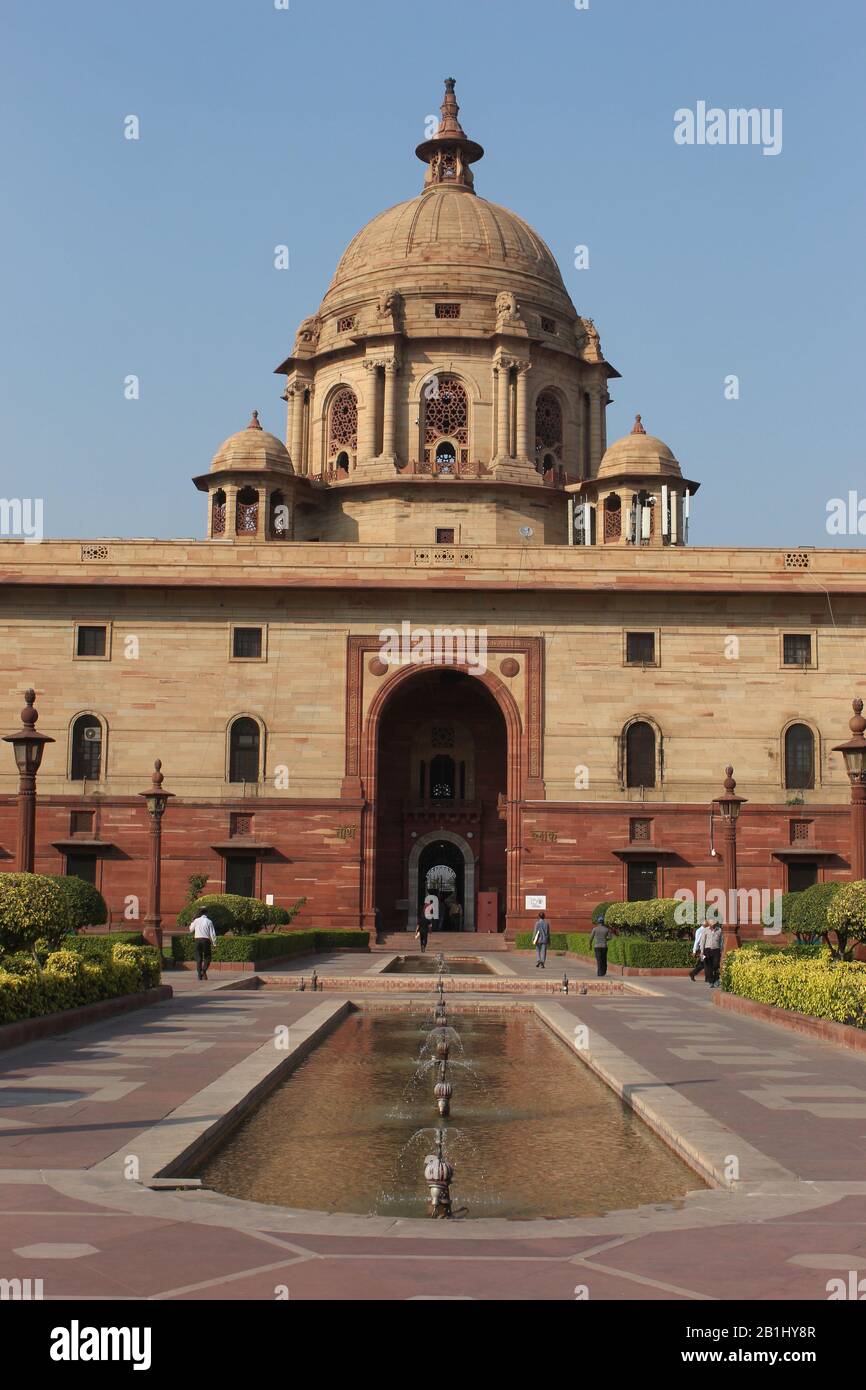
244,745
640,755
343,426
446,419
218,513
799,757
612,517
442,778
548,428
446,455
86,762
247,517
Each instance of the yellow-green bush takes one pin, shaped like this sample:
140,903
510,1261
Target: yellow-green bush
69,980
823,988
32,906
846,917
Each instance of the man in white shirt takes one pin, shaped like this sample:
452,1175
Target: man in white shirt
700,963
202,929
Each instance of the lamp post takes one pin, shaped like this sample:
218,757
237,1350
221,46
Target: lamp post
854,753
155,800
28,747
729,807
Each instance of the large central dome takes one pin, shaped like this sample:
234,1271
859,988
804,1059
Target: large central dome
444,228
419,244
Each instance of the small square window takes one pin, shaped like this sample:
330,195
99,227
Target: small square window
91,641
247,643
445,535
548,325
640,829
81,823
640,648
241,823
797,649
344,325
447,311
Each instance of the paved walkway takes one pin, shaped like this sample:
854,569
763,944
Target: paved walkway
790,1111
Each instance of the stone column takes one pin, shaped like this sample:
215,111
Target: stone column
370,410
289,398
231,492
389,424
525,446
297,447
503,402
596,411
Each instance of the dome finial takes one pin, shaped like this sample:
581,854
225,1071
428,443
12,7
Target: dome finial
449,152
254,421
637,427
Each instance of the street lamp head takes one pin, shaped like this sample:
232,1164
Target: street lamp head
28,744
854,749
729,803
155,798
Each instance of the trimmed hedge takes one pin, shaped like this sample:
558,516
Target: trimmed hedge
598,912
639,952
558,941
32,908
808,913
270,945
100,947
68,980
85,906
654,918
234,912
822,988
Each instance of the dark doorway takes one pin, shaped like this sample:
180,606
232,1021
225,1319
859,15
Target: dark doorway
802,875
81,866
642,880
241,875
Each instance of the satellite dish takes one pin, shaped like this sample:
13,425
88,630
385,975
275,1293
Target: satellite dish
526,532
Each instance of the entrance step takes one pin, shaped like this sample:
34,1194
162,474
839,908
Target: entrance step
460,943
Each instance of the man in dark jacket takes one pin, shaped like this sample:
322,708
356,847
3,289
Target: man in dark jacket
598,939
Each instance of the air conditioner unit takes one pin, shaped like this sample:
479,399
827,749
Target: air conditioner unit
93,735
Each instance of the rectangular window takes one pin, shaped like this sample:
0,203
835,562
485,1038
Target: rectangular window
81,823
345,324
240,823
91,640
447,311
640,828
247,643
81,866
797,649
445,535
548,325
640,648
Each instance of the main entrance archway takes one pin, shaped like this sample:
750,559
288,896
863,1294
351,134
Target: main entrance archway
441,779
446,849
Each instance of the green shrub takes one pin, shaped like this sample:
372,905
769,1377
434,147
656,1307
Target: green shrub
558,941
598,912
579,941
86,906
270,945
643,954
69,980
282,916
830,989
101,947
846,918
196,884
653,918
807,915
32,907
228,912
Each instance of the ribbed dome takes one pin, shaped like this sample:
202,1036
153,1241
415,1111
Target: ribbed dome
441,230
639,452
252,448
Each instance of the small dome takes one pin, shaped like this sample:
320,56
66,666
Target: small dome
252,448
639,452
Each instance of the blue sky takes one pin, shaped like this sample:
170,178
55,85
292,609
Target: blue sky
262,126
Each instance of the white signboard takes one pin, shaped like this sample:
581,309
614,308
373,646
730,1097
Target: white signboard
535,902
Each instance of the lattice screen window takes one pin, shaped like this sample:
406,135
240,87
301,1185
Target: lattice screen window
442,736
447,311
640,829
801,832
548,325
446,413
548,425
345,324
343,422
240,823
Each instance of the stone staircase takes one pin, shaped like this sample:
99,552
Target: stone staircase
461,943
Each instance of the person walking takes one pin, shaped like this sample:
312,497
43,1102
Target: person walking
422,931
202,929
598,939
541,940
711,946
700,964
431,911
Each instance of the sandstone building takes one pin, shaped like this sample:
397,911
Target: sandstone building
444,625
